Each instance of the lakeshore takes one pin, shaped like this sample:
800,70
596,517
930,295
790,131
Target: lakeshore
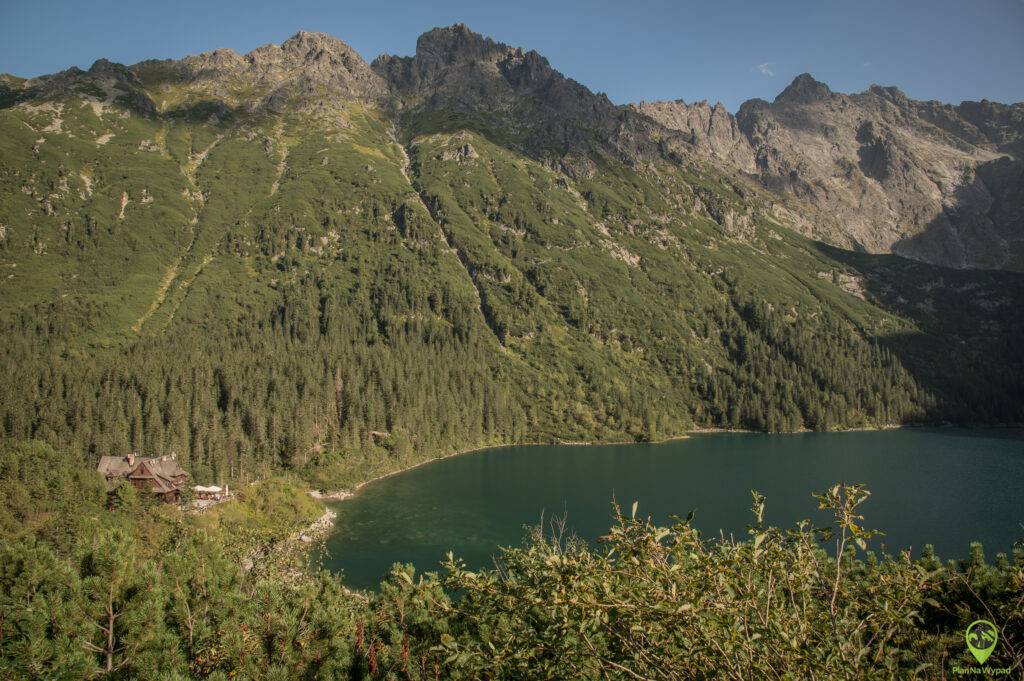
348,493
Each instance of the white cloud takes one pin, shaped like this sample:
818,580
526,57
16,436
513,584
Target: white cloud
766,68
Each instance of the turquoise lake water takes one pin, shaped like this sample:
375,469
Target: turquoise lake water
945,487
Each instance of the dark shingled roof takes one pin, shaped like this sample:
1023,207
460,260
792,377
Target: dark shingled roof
164,471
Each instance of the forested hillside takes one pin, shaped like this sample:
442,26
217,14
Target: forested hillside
292,260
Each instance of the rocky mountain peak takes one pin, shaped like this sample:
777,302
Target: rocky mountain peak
105,67
455,53
308,50
455,44
305,66
890,93
506,88
218,61
315,40
115,81
307,47
803,90
892,174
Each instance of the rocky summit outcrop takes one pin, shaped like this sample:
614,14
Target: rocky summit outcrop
307,69
930,181
105,82
516,95
712,130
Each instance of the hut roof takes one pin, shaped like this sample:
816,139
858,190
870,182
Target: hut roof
114,466
164,471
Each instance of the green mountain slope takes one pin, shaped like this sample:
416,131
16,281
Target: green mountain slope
290,259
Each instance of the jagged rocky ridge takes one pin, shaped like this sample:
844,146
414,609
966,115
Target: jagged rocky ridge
874,171
878,171
519,96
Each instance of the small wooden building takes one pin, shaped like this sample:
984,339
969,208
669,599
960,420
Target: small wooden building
160,475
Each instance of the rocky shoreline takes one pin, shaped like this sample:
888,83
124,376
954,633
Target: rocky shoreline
318,529
315,531
336,495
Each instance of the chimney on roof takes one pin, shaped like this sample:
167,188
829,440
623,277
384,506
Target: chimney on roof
131,459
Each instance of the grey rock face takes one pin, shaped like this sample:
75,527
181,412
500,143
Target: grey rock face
712,130
926,180
308,69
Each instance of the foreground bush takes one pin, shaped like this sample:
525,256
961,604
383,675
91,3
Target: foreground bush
661,603
127,601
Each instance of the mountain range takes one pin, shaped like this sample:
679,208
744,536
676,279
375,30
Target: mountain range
294,257
875,171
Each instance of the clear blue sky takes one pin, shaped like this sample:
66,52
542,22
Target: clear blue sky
948,50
